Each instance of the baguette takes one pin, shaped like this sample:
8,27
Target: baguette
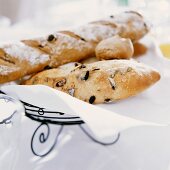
18,60
66,46
78,44
99,82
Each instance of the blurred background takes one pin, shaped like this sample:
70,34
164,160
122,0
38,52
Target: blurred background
29,18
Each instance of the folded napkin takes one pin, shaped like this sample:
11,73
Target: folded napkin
103,123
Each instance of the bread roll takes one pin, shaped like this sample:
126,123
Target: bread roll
114,48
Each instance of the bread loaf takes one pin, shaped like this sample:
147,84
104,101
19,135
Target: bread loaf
78,44
99,82
31,56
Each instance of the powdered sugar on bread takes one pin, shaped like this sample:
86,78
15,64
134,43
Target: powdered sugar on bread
23,52
5,70
92,32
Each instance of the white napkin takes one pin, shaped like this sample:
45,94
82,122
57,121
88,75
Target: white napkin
102,122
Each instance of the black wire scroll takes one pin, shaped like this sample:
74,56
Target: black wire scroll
45,117
51,117
43,137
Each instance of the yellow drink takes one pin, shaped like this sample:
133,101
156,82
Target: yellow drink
165,49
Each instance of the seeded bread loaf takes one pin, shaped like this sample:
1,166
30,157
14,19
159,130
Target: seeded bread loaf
99,82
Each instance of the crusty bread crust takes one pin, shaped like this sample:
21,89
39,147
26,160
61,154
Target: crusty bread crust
99,82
